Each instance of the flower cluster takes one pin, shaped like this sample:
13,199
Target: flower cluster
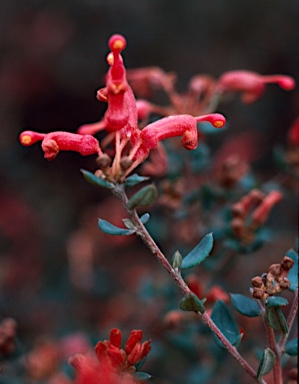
275,281
112,364
203,92
130,144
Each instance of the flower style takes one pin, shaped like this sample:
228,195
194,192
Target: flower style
112,361
131,144
251,85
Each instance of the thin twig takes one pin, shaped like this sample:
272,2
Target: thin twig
142,232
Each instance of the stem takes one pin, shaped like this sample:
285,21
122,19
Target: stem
142,232
290,321
277,369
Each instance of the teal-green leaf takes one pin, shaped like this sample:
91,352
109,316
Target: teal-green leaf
266,364
244,305
94,180
146,196
142,376
134,180
291,347
145,218
276,319
293,273
223,318
111,229
191,302
276,301
199,253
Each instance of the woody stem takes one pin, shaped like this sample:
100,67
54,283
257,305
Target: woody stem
142,232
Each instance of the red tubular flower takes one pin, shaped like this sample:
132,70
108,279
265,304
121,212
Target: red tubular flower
261,213
54,142
251,84
178,125
117,114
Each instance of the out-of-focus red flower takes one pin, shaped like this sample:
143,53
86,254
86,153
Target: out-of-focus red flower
252,85
112,365
293,134
43,360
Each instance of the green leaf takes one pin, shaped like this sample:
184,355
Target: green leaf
135,179
191,302
145,218
244,305
276,301
293,273
176,260
146,196
142,376
94,180
291,347
199,253
223,318
276,319
266,364
111,229
140,363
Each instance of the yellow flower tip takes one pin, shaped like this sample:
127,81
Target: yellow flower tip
218,124
117,43
25,140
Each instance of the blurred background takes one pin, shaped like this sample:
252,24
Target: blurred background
52,61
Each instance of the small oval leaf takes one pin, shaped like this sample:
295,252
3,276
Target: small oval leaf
145,218
223,318
146,196
191,302
244,305
276,301
199,253
142,376
135,179
94,180
111,229
266,364
291,347
276,319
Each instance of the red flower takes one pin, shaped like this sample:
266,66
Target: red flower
54,142
113,364
293,134
178,125
251,84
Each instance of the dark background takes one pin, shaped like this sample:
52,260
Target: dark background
52,61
